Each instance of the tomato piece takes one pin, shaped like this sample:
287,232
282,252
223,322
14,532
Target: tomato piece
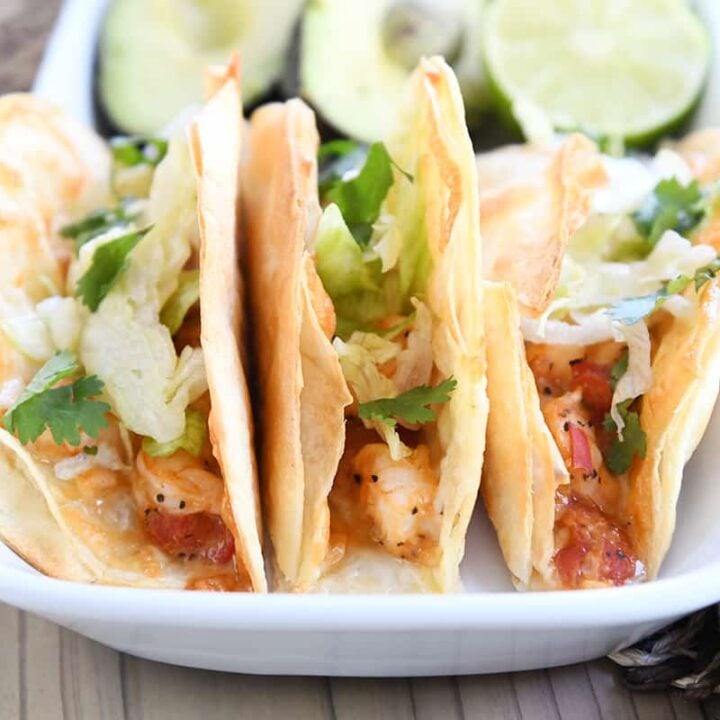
594,548
189,535
594,382
581,457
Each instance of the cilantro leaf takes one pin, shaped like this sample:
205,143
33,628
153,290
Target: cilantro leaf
99,222
133,150
65,410
360,198
670,206
335,158
410,406
632,310
619,456
109,261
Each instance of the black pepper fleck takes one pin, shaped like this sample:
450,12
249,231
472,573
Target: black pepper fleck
160,497
414,511
357,478
547,390
566,426
182,505
575,361
374,478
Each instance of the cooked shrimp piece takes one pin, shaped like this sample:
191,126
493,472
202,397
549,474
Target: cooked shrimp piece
398,499
178,483
571,427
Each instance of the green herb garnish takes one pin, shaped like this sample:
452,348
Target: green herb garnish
632,310
621,452
99,222
360,198
66,410
410,406
109,261
670,206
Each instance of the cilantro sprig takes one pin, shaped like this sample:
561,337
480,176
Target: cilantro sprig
99,222
631,310
410,406
619,456
670,206
129,151
109,262
66,410
359,198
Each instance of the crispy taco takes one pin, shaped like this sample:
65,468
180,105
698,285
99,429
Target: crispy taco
603,330
365,283
126,447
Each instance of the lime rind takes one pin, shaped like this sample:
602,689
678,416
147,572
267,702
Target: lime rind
619,107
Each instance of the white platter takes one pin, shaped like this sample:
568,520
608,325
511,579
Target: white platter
490,628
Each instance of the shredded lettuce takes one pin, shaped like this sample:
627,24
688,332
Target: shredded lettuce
39,332
637,378
359,359
389,262
192,440
124,341
179,303
596,283
339,259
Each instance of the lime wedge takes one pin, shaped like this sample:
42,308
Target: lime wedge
619,70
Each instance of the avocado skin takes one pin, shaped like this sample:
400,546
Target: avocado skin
150,60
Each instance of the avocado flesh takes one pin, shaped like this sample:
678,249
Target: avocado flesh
153,53
353,71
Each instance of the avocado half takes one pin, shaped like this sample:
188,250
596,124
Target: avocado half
355,57
153,53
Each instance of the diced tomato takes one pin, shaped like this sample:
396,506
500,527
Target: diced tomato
202,535
594,381
581,456
594,547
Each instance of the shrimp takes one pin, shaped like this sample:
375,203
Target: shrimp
598,484
177,483
397,497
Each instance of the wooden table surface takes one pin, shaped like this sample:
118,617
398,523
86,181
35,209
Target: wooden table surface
47,672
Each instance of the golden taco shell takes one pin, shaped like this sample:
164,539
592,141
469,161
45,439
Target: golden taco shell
532,201
524,467
302,390
85,526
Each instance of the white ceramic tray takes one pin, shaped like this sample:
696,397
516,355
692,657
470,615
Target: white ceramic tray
490,628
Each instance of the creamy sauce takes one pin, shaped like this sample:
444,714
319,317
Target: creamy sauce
162,518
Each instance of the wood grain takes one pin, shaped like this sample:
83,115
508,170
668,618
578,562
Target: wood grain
48,673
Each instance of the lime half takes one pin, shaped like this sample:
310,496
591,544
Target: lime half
625,70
